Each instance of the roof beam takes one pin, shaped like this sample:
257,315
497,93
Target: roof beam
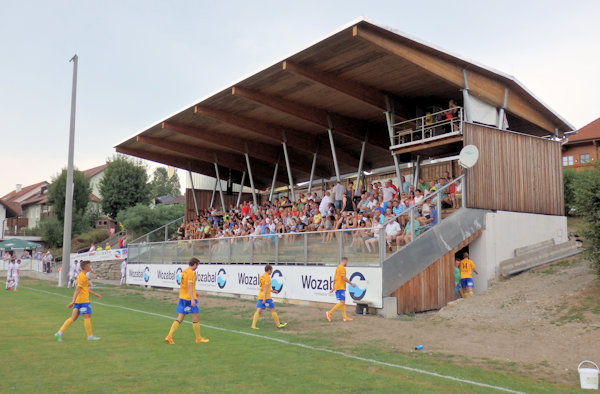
482,86
257,150
225,159
296,139
351,128
364,93
357,90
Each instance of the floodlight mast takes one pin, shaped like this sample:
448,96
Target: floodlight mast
66,255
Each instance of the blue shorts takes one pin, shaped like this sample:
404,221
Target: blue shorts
185,307
268,304
340,295
84,308
466,282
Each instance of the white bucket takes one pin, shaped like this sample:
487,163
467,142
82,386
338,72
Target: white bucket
588,377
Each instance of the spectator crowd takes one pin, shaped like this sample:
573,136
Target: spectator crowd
338,208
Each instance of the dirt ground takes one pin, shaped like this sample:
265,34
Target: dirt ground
541,323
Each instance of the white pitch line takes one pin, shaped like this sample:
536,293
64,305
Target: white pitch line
301,345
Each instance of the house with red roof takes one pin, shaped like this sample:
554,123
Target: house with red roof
581,149
23,208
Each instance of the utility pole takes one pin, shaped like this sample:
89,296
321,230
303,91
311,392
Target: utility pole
66,256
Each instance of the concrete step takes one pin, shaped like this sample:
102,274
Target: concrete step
538,256
535,247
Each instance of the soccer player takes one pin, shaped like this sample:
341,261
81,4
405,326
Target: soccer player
9,274
72,274
123,271
16,275
76,271
81,305
264,299
188,302
339,286
467,267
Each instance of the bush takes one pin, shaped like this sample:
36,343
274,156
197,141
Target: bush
52,232
586,201
569,181
142,219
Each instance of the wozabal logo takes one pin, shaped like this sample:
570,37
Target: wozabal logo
221,278
147,274
358,291
178,275
277,281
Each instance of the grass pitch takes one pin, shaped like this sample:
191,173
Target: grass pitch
132,355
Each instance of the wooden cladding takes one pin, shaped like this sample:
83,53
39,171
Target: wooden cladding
203,200
515,172
431,289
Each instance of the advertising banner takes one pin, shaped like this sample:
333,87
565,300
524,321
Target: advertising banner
100,255
292,282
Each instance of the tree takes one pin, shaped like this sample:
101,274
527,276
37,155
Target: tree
142,219
124,185
81,193
162,185
587,204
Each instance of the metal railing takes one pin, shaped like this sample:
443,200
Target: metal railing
414,211
428,128
160,233
303,248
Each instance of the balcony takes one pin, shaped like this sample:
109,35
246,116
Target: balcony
433,135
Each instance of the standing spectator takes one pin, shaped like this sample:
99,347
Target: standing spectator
123,272
467,267
388,191
324,205
405,186
10,273
339,286
339,191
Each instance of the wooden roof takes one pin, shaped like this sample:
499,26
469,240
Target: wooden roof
343,80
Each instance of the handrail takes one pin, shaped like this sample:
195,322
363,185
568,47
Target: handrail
158,229
432,197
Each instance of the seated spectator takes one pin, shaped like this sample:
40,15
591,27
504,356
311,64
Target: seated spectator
392,229
429,220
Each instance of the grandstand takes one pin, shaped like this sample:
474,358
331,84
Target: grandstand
363,105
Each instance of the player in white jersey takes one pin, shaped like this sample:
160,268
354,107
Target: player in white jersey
72,275
16,274
123,272
9,273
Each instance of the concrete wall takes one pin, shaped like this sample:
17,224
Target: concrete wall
95,184
506,231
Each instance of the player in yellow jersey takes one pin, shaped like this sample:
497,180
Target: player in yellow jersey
188,302
467,267
80,305
339,286
264,299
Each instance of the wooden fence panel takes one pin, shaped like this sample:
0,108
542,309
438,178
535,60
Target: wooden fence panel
515,172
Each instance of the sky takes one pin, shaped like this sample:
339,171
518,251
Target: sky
140,61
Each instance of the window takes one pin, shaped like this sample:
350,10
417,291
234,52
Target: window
584,158
568,161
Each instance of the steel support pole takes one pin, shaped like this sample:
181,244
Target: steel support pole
417,171
241,189
466,98
333,155
312,171
360,165
251,179
194,193
212,198
273,183
66,255
289,170
501,113
389,117
219,184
